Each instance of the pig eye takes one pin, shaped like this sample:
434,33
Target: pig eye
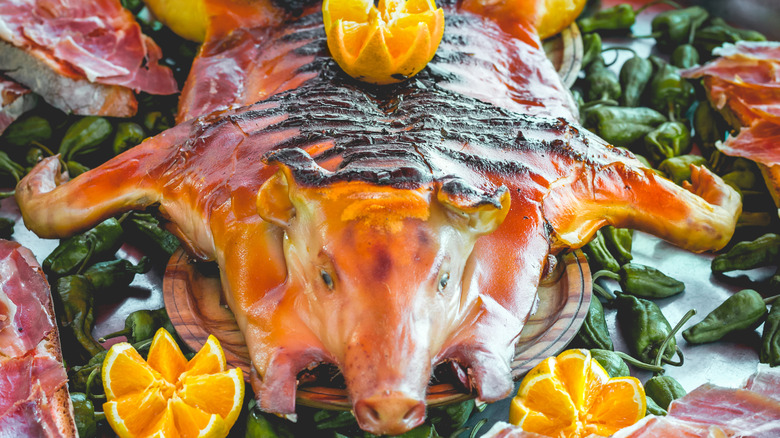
327,279
443,281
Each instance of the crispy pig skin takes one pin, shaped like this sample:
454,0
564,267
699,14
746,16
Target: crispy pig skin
381,229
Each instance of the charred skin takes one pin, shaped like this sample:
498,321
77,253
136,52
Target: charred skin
379,229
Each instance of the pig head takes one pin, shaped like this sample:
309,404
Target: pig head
376,283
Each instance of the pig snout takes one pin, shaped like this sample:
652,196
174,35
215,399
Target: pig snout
390,413
387,378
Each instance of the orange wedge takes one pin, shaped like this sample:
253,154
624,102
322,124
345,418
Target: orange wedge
572,396
384,44
168,396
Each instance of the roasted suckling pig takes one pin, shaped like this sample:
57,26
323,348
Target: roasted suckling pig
384,230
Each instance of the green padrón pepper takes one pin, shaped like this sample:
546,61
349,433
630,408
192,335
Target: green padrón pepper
663,390
678,169
623,126
708,127
653,408
770,337
672,28
115,273
745,310
603,83
99,242
258,426
77,297
718,32
620,17
599,255
143,324
669,92
594,332
619,241
149,227
763,251
635,74
591,48
613,364
644,327
23,132
84,414
670,139
685,56
10,167
128,134
647,282
85,137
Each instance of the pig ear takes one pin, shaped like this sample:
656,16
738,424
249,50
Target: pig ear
273,198
483,212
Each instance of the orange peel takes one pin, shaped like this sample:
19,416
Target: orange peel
384,44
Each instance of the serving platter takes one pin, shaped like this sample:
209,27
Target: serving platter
194,300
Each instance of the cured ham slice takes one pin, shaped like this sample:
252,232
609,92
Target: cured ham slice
744,85
15,99
82,57
34,399
661,427
738,412
765,381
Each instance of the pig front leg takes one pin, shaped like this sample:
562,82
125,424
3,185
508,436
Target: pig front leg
700,217
54,207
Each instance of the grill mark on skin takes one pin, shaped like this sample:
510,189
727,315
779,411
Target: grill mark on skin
400,135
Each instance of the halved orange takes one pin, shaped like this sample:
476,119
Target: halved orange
383,44
169,396
572,396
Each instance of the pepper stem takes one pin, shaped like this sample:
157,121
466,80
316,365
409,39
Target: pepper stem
477,427
100,416
42,147
90,379
631,360
10,194
601,101
605,273
90,250
602,292
662,349
769,300
123,332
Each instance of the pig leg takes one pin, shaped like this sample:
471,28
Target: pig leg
699,217
53,207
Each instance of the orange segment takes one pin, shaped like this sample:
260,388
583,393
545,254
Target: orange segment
192,422
209,360
220,393
166,357
169,397
383,44
126,372
135,414
572,396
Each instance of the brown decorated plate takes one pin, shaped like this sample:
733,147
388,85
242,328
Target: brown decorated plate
193,298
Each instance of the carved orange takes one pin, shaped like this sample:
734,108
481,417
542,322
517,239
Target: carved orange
384,44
